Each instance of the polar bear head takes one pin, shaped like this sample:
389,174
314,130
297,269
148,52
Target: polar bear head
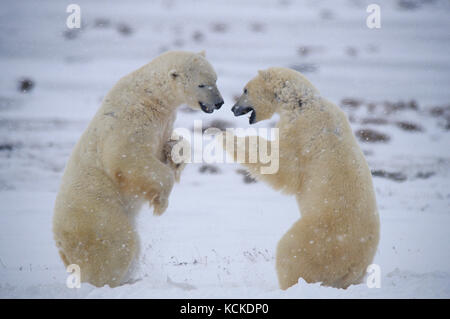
195,80
274,90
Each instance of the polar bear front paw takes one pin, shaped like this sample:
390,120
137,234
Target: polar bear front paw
176,165
160,205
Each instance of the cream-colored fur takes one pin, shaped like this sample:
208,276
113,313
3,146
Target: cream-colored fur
322,165
121,161
176,165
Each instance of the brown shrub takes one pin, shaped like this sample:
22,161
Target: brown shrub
371,136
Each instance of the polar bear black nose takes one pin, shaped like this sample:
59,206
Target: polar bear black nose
241,110
219,105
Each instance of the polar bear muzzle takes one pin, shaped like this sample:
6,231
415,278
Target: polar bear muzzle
209,108
241,110
209,98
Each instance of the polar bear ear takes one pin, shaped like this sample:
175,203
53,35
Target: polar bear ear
173,74
202,53
264,74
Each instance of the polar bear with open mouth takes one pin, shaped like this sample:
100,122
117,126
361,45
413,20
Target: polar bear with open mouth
321,164
121,161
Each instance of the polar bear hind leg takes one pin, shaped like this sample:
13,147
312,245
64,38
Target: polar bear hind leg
103,248
311,252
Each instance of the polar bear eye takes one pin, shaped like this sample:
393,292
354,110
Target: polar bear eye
245,91
201,86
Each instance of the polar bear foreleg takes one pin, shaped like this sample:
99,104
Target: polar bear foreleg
145,176
247,151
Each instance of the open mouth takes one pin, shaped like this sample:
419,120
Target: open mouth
241,110
205,107
219,105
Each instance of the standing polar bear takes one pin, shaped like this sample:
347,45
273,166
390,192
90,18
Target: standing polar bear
321,164
120,162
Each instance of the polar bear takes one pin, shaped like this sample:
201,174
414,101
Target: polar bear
320,163
121,161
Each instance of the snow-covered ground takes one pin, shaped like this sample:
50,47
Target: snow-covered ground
218,236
